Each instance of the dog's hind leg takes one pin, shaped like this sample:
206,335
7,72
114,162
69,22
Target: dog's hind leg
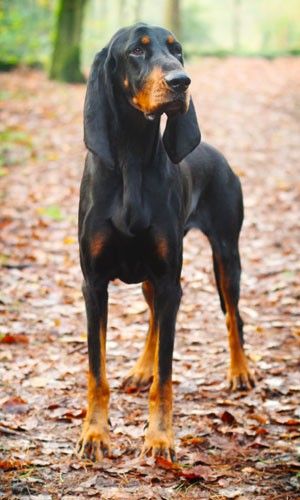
140,376
94,442
219,215
227,269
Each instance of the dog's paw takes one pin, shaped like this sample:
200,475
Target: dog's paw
159,444
240,377
94,442
137,380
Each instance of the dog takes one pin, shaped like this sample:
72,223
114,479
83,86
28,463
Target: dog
140,194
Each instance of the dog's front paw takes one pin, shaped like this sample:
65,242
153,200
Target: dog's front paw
94,442
240,377
159,444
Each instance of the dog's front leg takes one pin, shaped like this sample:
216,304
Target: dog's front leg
94,441
141,374
159,439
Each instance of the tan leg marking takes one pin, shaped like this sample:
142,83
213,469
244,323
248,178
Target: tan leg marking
94,442
159,437
162,247
97,244
140,376
239,375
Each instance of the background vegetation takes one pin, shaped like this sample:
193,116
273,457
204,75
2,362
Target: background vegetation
219,27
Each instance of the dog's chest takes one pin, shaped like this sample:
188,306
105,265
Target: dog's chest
136,259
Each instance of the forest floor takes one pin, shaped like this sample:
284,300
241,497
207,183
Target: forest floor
229,445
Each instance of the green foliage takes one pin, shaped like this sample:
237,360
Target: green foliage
267,27
25,31
52,212
194,30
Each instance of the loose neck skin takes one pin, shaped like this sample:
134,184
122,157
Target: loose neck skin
138,139
138,147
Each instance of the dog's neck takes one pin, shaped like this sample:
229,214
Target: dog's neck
137,149
138,139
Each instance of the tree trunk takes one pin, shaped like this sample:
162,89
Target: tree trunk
172,16
121,12
236,25
65,64
138,10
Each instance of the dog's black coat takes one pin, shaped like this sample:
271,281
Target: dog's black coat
139,189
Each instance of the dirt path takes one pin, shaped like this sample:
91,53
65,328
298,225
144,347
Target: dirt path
228,445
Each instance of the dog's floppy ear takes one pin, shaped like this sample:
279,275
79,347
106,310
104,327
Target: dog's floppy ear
181,134
96,110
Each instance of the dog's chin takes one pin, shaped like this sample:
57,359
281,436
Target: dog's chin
176,107
171,108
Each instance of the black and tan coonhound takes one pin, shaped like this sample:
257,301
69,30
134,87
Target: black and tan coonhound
140,194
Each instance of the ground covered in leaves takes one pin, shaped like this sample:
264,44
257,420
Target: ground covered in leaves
240,445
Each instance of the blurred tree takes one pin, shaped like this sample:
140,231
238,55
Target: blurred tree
121,11
194,29
138,10
172,16
25,32
236,24
65,63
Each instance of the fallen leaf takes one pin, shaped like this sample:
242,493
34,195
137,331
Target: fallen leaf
163,463
190,440
13,464
228,418
262,419
15,405
230,492
198,472
14,339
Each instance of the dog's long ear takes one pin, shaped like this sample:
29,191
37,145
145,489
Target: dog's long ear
181,134
96,109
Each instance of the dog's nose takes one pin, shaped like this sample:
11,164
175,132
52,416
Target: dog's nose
178,80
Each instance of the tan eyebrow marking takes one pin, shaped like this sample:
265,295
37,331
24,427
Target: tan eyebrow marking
126,83
170,39
145,40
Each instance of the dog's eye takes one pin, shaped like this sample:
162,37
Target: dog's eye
137,51
178,50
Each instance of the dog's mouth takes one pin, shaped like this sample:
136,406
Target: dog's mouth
171,108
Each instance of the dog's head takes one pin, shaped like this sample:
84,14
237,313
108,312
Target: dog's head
144,64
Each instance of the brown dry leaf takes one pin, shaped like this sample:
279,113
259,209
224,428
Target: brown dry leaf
14,339
13,464
228,418
262,419
198,472
191,440
15,405
286,421
163,463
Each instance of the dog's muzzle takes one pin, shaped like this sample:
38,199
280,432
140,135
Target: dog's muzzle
178,81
